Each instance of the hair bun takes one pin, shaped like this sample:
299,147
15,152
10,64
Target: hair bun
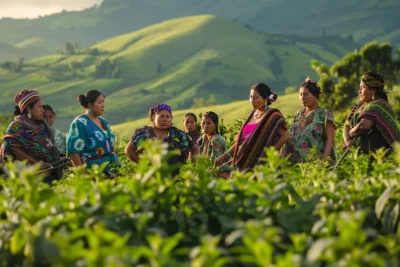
83,101
17,111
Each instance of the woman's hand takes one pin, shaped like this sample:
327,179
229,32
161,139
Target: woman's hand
132,152
363,127
348,144
221,160
44,165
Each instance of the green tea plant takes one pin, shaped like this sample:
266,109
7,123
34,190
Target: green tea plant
276,215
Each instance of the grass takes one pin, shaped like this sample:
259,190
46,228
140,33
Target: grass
39,43
174,61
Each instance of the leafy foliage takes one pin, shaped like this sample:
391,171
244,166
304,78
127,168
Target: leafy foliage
340,82
105,68
278,215
13,66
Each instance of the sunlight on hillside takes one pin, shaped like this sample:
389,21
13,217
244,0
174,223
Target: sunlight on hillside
287,104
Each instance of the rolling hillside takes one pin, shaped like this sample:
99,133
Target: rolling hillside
364,20
287,104
25,50
175,62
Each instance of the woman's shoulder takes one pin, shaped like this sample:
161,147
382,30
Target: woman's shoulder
56,131
142,130
274,111
81,119
14,127
325,112
218,139
176,131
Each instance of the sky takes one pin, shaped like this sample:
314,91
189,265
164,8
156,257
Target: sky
34,8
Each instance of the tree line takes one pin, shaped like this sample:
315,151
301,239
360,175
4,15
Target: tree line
340,81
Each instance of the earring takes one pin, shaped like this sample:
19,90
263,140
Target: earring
373,96
90,112
29,114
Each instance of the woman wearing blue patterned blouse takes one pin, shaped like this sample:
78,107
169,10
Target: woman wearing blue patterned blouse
161,117
90,140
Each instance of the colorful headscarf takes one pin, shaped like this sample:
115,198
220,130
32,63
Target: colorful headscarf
371,81
162,107
24,98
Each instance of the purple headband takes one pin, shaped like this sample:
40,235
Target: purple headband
162,107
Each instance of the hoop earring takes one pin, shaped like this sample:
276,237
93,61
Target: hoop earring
29,115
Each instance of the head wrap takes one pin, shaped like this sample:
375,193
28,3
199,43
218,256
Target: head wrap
162,107
24,98
371,81
312,81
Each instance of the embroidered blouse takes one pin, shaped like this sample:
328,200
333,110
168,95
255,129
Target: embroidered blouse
308,132
95,145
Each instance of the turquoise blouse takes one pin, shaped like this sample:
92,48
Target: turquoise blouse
95,145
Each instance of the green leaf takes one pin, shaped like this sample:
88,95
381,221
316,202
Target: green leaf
17,241
391,219
381,202
318,248
171,242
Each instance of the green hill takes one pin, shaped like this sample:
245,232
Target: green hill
287,104
175,61
364,20
12,53
47,46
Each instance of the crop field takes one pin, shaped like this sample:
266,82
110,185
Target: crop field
277,215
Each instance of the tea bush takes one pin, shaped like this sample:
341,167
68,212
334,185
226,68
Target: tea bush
277,215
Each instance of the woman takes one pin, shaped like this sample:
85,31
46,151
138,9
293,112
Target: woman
265,127
373,121
49,115
90,140
313,127
212,144
161,118
29,138
190,123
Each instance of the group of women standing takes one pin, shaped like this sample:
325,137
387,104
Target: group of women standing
371,125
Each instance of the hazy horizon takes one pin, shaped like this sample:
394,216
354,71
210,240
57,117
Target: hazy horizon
36,8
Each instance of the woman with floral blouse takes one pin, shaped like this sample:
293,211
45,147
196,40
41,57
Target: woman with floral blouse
90,140
313,127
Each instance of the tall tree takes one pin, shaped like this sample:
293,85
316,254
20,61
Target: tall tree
340,82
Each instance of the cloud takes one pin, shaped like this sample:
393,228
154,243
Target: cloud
31,9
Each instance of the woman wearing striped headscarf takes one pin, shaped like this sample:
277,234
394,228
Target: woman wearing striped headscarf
373,121
29,137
